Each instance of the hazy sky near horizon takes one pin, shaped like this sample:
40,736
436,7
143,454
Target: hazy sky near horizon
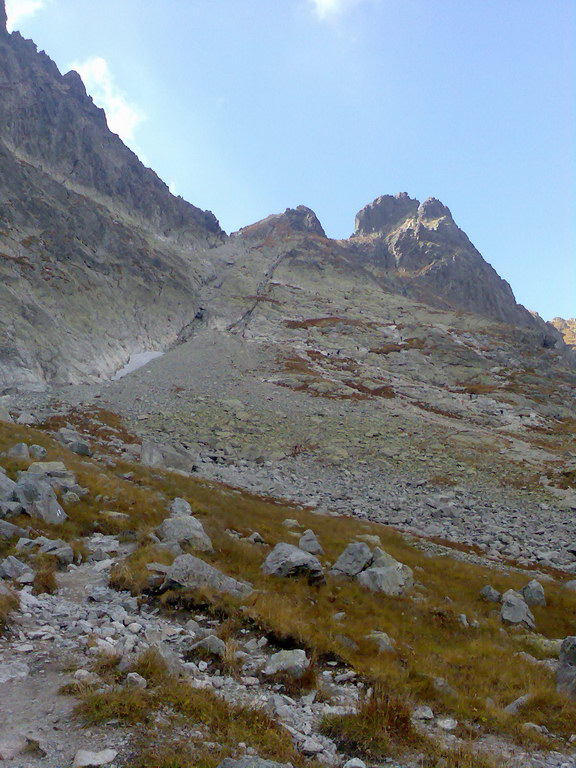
247,107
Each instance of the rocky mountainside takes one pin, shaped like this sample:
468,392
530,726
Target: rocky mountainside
97,259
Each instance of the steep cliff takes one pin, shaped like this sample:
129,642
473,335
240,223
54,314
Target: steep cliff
97,259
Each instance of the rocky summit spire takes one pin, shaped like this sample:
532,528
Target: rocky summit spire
3,18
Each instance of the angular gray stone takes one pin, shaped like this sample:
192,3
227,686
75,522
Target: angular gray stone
7,487
4,414
288,561
54,472
533,593
180,506
383,641
381,559
192,573
13,670
393,580
39,500
185,530
515,706
19,451
251,762
210,644
12,568
355,558
566,674
9,531
134,680
9,509
167,456
515,610
81,447
293,663
309,543
86,759
490,594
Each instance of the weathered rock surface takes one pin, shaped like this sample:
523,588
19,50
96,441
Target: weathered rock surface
185,530
515,610
355,558
293,663
393,580
288,561
97,259
566,675
192,573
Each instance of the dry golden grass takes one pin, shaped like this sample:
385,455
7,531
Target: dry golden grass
224,723
381,725
479,663
8,603
45,575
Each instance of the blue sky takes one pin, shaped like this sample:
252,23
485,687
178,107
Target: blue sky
247,107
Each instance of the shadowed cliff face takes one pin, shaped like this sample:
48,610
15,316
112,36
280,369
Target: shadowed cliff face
97,258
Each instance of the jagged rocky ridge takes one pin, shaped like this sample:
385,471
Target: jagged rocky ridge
99,261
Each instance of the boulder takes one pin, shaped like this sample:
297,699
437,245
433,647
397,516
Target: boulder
251,762
4,414
190,572
81,447
393,580
39,500
355,558
180,506
211,645
185,530
167,456
19,451
570,585
134,680
566,674
383,641
515,610
293,663
7,487
287,561
10,531
9,509
309,543
54,472
12,568
533,593
381,559
13,670
86,759
490,594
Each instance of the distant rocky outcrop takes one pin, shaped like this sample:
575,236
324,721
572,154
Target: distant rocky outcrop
567,328
436,260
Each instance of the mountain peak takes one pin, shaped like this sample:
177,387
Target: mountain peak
293,220
384,213
432,208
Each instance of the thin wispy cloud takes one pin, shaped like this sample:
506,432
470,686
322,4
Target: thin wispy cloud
327,9
19,10
123,116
